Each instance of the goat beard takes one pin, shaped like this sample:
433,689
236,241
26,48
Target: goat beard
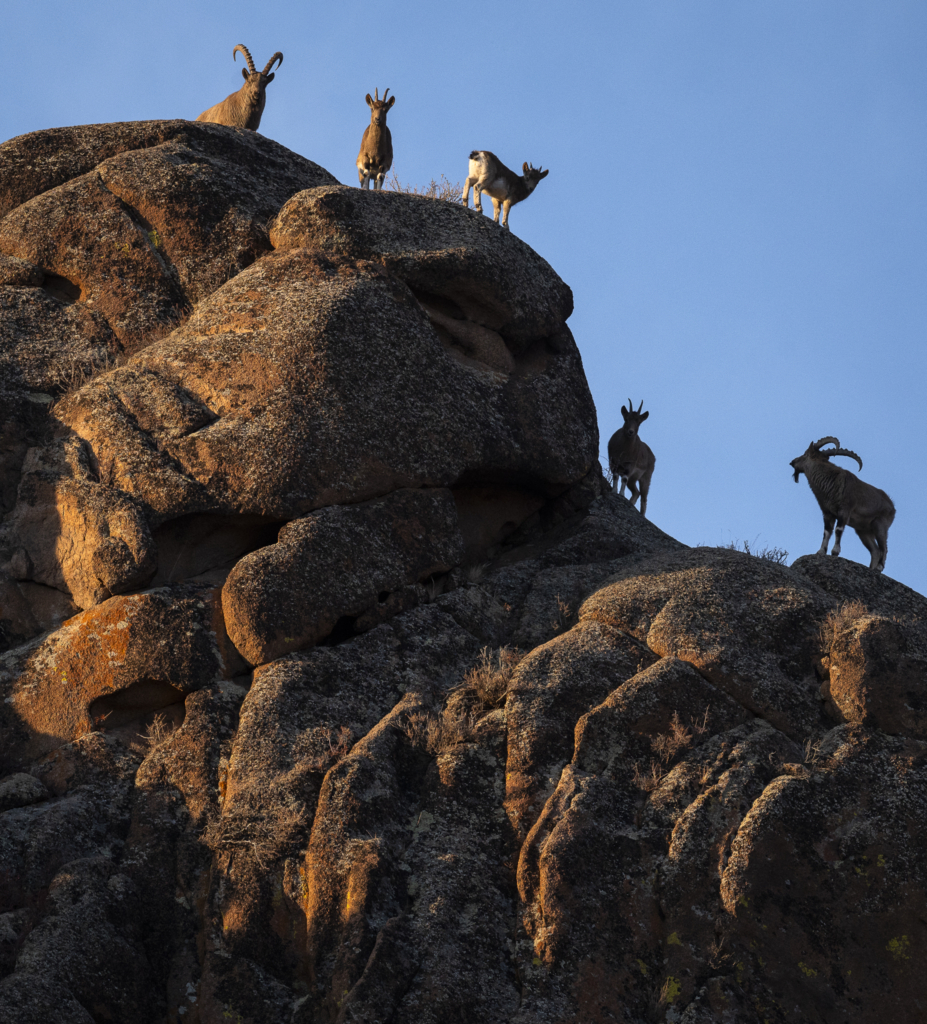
795,475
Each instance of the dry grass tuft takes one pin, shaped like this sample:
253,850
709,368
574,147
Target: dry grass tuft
74,374
484,688
441,189
159,730
329,747
779,556
667,746
839,619
257,835
488,682
438,733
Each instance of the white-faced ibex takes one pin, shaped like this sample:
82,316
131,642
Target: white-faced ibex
504,187
629,459
844,498
243,109
376,153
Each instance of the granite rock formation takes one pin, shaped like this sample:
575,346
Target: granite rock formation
338,687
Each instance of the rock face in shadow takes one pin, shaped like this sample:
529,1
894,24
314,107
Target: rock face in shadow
336,686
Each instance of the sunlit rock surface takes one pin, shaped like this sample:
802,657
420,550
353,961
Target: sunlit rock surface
336,685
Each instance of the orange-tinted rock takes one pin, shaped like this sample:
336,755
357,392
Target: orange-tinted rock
75,534
107,666
878,676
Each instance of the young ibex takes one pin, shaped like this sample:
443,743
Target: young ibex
376,153
844,498
629,459
504,187
243,109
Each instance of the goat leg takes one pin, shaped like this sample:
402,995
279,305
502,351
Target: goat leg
829,521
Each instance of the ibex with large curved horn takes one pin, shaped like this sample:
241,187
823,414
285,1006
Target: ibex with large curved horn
376,152
504,187
844,498
243,109
629,459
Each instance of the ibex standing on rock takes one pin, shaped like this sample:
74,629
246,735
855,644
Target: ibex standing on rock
629,458
504,187
844,498
243,109
376,153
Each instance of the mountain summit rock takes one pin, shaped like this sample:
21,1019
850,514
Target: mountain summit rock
336,684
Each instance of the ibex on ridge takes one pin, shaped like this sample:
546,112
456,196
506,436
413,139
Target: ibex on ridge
376,152
629,459
243,109
504,187
844,498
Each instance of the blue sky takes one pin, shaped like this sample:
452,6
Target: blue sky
737,197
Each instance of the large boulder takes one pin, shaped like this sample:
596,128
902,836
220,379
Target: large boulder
111,665
476,283
410,345
748,625
334,564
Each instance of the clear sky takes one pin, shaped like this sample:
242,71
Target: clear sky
736,196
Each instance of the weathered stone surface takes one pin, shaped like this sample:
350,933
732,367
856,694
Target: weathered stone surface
82,233
878,676
70,532
553,687
20,790
845,580
335,563
748,625
14,271
470,273
48,341
143,218
825,881
299,335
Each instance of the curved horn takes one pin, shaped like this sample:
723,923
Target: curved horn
641,406
849,455
247,56
384,95
376,94
818,445
277,56
630,406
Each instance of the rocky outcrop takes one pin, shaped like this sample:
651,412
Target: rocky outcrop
337,686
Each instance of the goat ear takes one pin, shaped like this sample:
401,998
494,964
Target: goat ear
646,414
369,101
544,174
392,100
244,74
624,412
524,168
269,78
